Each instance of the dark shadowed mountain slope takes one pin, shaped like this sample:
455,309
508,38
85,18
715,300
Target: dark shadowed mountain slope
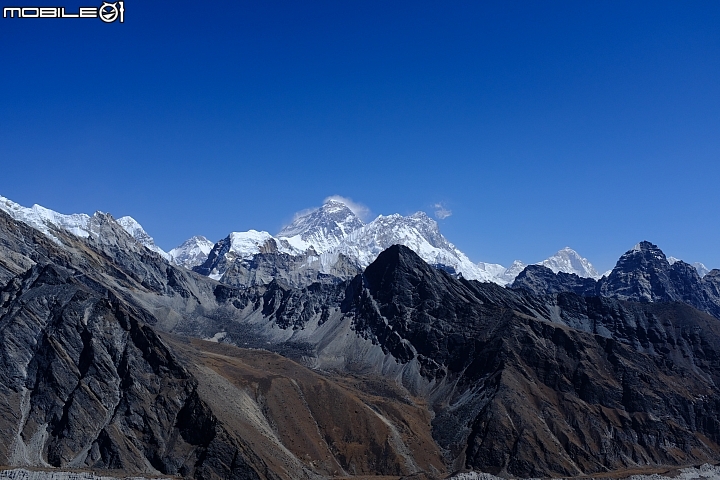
87,383
628,384
642,274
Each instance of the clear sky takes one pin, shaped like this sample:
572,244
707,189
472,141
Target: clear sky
537,124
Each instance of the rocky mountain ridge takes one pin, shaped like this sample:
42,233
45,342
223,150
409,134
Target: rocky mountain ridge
642,274
322,241
333,232
102,366
88,382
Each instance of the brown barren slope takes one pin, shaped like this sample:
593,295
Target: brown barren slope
333,426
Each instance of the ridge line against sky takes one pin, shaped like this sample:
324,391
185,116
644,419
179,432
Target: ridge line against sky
528,127
367,216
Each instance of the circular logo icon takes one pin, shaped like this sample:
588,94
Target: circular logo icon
109,12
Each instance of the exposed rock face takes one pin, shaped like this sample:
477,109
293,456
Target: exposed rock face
540,280
642,274
88,384
292,270
532,397
503,380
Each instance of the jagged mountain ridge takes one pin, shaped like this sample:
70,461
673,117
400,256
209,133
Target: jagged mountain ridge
472,351
642,274
330,237
186,429
595,359
136,231
333,231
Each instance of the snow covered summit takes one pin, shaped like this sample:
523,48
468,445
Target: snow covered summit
191,252
79,224
418,232
568,260
322,229
44,219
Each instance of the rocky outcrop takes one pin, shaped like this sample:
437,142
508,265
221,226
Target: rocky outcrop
292,270
642,274
540,280
87,383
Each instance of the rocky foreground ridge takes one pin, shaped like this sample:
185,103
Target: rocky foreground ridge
401,369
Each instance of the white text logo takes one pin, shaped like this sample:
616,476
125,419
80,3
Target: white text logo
108,12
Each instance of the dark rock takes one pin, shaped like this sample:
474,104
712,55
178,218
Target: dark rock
642,274
540,280
629,383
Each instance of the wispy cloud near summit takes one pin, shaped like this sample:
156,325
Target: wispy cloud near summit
441,212
357,208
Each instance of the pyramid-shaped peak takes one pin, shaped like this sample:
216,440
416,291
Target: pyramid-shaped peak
333,204
397,261
321,228
642,255
648,250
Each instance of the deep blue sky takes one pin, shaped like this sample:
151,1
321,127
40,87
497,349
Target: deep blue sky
538,124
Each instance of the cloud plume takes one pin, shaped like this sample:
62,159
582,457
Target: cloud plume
441,212
357,208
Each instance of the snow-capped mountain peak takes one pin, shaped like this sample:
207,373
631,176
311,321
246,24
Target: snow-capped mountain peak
565,260
418,232
191,252
79,224
131,226
569,261
240,246
246,244
495,270
322,228
702,269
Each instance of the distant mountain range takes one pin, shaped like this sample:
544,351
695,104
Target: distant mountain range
329,240
338,348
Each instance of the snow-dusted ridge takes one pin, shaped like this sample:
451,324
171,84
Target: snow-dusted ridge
333,230
418,232
44,220
131,226
567,260
324,234
321,229
701,268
